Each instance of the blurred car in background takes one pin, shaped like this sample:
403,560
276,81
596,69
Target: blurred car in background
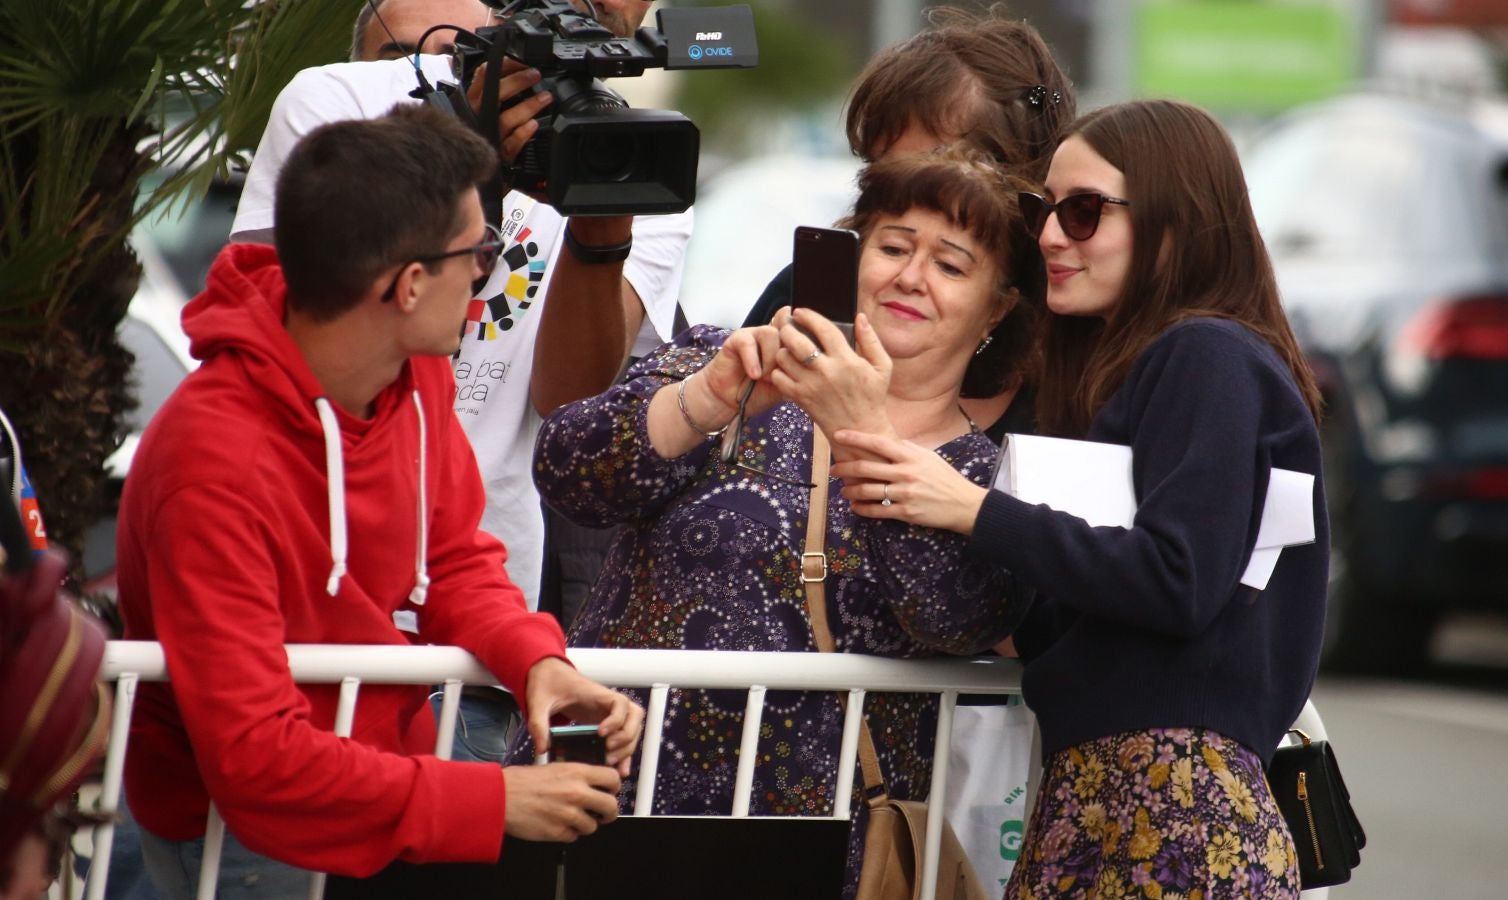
1387,220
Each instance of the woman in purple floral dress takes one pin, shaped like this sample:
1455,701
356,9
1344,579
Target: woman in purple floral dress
710,556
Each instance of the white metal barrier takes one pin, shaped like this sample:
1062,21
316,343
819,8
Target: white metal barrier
128,663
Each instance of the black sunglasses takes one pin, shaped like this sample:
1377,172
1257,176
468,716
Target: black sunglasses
1078,214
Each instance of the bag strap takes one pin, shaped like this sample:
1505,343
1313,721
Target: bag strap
814,574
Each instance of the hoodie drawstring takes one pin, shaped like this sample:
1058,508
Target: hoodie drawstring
421,562
335,474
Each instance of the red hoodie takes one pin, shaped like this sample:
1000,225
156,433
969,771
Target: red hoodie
227,551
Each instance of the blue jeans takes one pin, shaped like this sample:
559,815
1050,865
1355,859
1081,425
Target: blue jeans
486,722
244,875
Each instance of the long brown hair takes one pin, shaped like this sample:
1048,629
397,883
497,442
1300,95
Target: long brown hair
1195,252
985,76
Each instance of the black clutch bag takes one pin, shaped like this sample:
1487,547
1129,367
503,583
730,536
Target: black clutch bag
1312,796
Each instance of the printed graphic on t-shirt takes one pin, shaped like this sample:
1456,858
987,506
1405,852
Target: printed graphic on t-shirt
475,382
489,318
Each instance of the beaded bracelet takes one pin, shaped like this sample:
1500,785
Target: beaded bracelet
680,400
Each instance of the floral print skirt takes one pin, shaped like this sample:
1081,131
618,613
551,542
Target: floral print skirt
1161,814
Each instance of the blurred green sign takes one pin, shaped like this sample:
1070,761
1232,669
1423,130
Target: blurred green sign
1246,55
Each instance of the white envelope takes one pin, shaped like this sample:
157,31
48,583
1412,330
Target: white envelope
1092,480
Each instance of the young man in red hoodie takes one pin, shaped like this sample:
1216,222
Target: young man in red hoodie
309,483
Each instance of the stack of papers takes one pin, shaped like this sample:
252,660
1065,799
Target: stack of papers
1093,481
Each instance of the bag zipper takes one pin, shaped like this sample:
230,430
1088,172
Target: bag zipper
1319,860
51,687
84,754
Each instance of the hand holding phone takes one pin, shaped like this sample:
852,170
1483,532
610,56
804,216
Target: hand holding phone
577,743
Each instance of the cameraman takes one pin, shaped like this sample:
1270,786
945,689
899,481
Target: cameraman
552,325
406,21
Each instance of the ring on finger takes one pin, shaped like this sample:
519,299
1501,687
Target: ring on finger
811,357
885,493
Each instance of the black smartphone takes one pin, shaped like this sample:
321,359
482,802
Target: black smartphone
577,743
825,274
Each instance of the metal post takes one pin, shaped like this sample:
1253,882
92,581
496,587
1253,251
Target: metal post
109,798
932,849
450,703
345,717
848,751
748,751
209,863
649,757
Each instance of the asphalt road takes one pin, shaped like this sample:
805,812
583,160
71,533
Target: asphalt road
1427,764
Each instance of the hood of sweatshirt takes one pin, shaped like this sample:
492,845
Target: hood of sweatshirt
238,320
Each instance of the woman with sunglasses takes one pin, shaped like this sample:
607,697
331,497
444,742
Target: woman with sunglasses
1161,684
711,555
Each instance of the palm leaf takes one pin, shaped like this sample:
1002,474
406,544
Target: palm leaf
95,94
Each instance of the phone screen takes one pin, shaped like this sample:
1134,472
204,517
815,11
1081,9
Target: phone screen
577,743
825,273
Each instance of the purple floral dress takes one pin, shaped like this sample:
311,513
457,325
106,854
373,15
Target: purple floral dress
710,560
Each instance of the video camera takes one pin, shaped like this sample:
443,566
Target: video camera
592,155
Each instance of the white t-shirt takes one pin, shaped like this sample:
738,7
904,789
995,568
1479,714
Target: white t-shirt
497,349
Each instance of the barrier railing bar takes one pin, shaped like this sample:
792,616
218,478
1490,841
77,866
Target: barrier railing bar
115,761
128,662
450,705
1309,721
848,751
748,751
209,863
707,669
345,717
932,849
649,759
345,710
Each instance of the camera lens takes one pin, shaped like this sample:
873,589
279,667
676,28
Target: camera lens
607,156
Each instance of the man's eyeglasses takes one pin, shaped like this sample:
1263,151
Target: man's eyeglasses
484,254
1078,214
733,438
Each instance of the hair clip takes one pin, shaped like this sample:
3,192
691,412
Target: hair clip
1038,96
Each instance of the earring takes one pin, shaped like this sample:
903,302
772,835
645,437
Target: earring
984,343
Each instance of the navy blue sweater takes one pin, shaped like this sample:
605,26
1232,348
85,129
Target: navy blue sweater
1149,627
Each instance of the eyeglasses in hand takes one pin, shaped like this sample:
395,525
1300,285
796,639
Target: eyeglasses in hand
733,438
